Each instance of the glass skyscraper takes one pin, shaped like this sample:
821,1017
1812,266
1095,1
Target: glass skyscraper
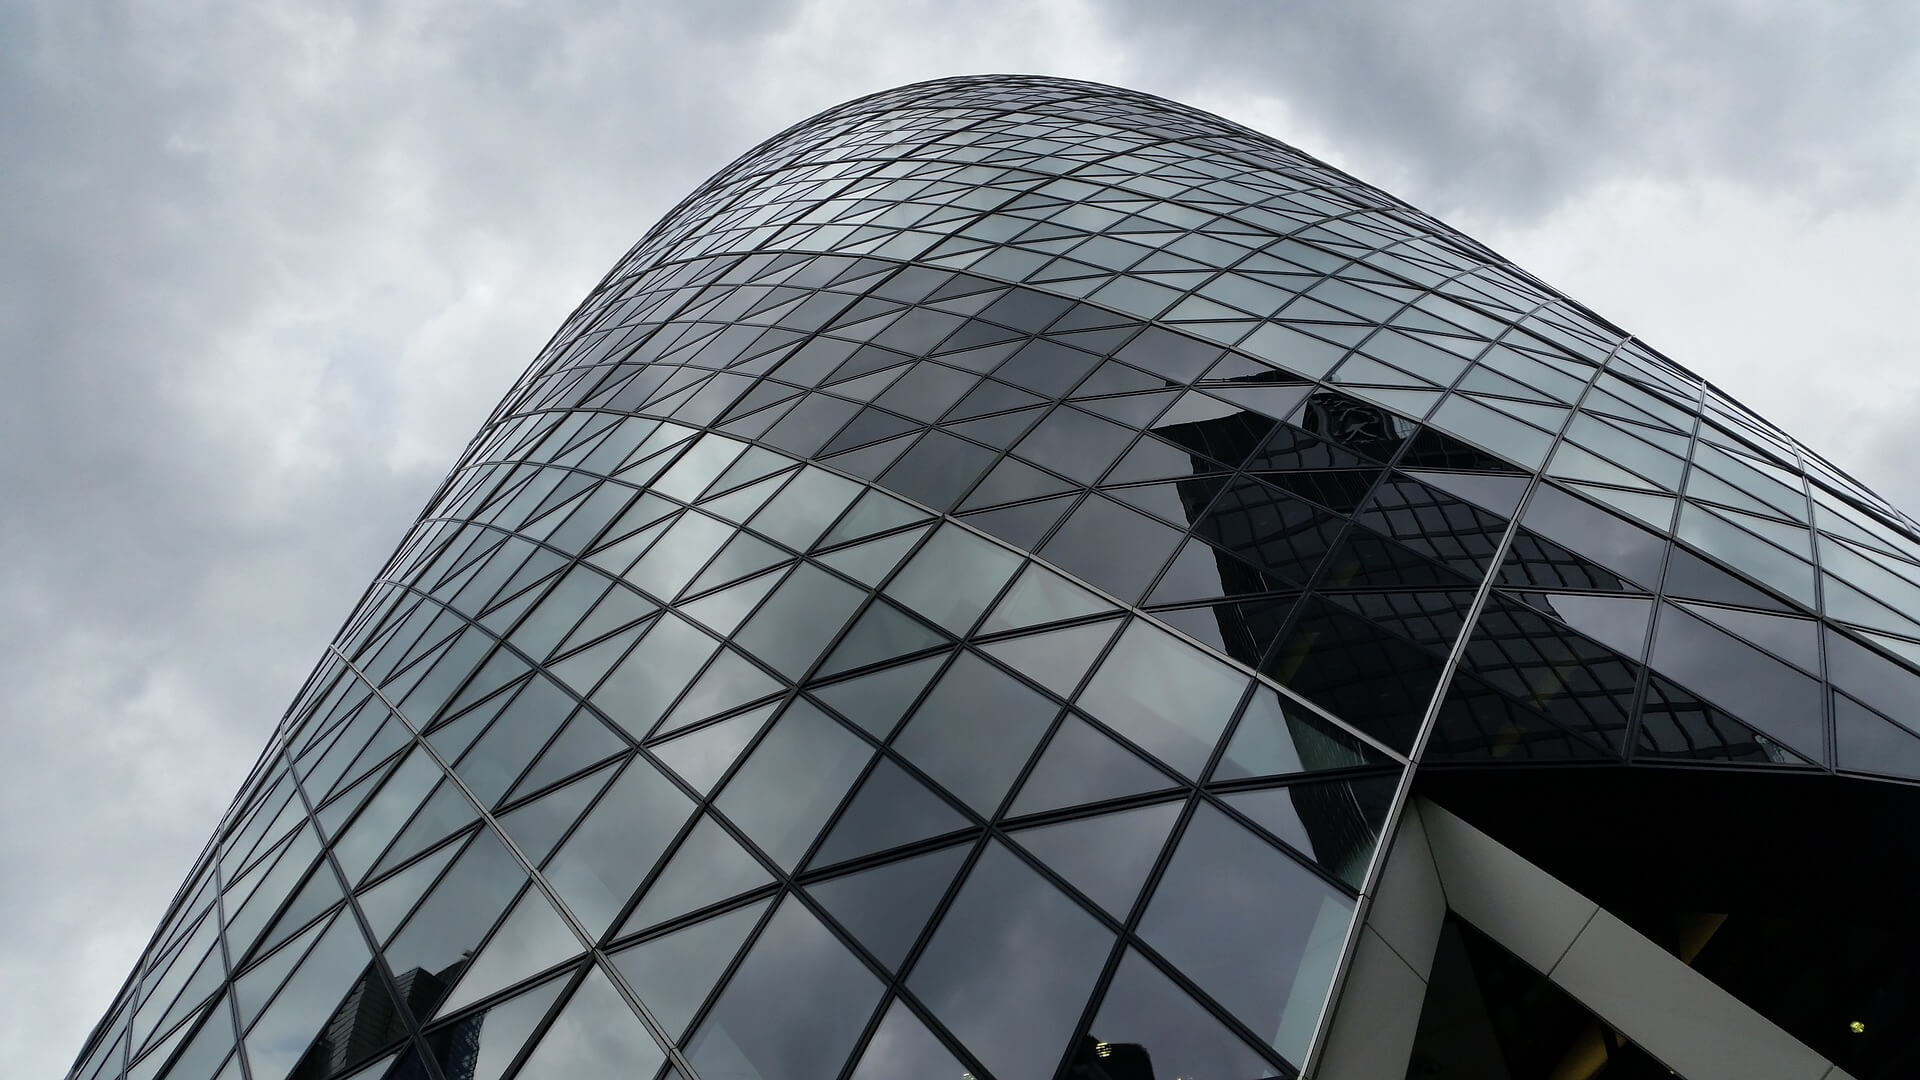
1017,578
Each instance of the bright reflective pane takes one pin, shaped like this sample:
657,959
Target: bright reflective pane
1165,695
1276,737
953,578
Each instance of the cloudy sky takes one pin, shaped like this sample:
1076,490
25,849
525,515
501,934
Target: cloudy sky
264,267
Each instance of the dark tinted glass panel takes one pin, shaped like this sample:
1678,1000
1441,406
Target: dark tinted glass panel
1147,1023
1256,899
1010,967
975,731
1754,687
887,907
755,1030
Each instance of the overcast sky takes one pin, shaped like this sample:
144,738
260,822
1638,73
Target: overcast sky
264,267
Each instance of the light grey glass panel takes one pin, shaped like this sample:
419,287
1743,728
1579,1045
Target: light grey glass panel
792,781
595,1035
1164,694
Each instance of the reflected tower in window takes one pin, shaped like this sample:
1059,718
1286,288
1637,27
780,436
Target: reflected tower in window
968,593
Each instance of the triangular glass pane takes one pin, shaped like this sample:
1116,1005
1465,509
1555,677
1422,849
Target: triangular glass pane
869,462
729,682
254,986
877,702
1057,659
331,816
489,768
870,425
537,826
532,938
673,974
1278,738
1022,525
387,903
445,812
793,780
1336,823
890,810
500,1032
1133,410
725,610
954,578
620,607
743,555
874,513
1301,922
871,562
615,558
335,967
1039,597
1676,725
1165,695
975,731
500,669
709,866
1014,481
1797,640
584,741
321,891
904,1047
702,755
452,739
882,632
584,669
1497,492
998,431
1145,1016
756,463
1013,999
1085,765
1106,857
887,907
753,1028
738,506
595,1035
1868,742
1655,510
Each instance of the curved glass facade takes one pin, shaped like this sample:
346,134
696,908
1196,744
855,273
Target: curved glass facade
968,594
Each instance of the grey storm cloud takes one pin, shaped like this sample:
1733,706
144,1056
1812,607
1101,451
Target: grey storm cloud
1524,106
265,268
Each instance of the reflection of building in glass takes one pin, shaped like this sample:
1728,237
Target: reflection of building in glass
969,594
370,1019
